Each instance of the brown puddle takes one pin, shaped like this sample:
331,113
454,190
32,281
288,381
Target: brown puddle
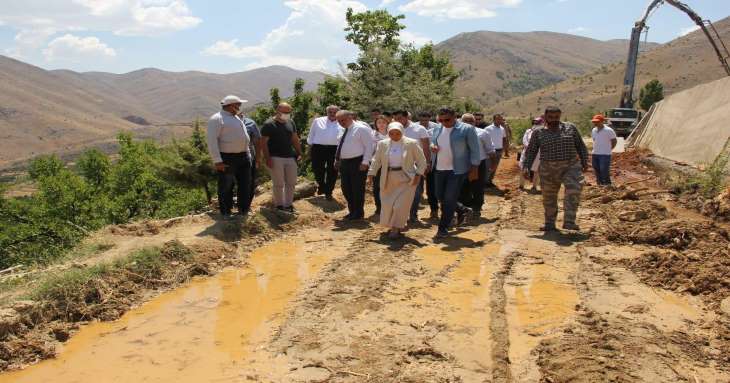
201,332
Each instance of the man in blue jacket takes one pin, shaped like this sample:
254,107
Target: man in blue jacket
456,157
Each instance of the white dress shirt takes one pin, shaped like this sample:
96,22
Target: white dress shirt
324,132
226,133
358,142
416,131
395,154
444,158
497,135
485,144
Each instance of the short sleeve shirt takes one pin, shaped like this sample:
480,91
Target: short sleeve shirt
279,135
416,132
602,140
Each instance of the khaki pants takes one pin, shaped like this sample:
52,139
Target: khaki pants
553,174
284,179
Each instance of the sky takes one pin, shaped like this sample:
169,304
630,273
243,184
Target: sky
235,35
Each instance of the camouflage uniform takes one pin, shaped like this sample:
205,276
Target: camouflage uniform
560,150
552,175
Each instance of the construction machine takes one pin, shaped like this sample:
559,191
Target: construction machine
625,118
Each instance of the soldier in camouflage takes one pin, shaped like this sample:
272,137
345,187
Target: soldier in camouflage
563,159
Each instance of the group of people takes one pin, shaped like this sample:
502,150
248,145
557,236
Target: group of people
454,157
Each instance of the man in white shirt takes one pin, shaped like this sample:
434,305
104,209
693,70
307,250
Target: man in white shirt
424,119
323,139
352,158
420,134
228,146
473,193
604,140
501,145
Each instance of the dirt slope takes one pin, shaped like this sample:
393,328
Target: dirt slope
497,66
679,64
63,111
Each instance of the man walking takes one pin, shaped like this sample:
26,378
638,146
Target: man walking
456,150
323,140
473,192
604,140
501,144
560,146
254,150
352,158
228,145
420,134
424,118
282,150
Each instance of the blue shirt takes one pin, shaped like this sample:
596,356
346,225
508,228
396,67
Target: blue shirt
254,133
464,146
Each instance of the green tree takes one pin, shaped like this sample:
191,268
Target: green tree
373,29
275,98
302,104
650,94
94,166
331,92
45,166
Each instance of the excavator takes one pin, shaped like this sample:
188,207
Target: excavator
625,118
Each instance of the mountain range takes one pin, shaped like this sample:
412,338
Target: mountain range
63,111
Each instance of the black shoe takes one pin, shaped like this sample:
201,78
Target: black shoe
571,226
329,197
281,208
290,209
441,234
227,216
548,228
463,215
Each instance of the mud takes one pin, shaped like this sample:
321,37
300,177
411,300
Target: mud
635,298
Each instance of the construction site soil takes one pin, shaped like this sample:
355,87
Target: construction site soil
641,294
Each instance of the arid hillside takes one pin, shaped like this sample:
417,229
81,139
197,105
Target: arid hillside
496,66
63,111
680,64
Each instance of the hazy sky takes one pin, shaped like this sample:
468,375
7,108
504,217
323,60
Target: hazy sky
235,35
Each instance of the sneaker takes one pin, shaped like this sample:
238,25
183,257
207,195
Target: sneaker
463,215
548,227
571,226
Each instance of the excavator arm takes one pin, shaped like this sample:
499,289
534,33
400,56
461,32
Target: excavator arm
627,96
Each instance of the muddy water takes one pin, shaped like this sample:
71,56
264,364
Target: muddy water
198,333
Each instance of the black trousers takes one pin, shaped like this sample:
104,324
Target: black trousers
352,180
472,193
252,190
323,165
433,201
237,173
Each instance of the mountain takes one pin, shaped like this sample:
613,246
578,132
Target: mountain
63,111
680,64
496,66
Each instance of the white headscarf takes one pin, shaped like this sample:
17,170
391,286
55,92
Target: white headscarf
395,126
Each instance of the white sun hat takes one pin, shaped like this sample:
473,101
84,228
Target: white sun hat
228,100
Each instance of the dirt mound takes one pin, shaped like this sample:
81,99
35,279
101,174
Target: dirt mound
719,207
697,272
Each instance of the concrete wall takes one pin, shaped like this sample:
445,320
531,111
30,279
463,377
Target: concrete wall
692,126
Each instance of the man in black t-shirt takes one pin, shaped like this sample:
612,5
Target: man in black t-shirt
282,150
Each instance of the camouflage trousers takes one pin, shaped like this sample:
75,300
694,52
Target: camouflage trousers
552,175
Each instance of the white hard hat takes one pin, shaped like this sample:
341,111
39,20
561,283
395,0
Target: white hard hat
228,100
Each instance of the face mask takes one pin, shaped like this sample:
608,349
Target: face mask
285,117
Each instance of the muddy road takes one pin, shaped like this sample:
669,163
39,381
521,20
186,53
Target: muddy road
498,302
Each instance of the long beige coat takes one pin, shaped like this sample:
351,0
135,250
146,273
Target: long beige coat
414,161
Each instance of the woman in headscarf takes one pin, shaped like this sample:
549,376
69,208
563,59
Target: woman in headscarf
401,163
380,133
537,123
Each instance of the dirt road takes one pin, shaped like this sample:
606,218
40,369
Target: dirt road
498,302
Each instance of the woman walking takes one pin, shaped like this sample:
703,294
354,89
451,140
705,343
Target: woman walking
380,133
401,163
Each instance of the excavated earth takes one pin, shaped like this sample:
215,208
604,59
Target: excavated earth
641,294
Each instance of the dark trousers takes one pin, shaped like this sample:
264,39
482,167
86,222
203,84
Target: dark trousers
448,188
376,191
433,201
417,200
472,194
323,166
352,181
602,168
252,190
237,173
490,174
